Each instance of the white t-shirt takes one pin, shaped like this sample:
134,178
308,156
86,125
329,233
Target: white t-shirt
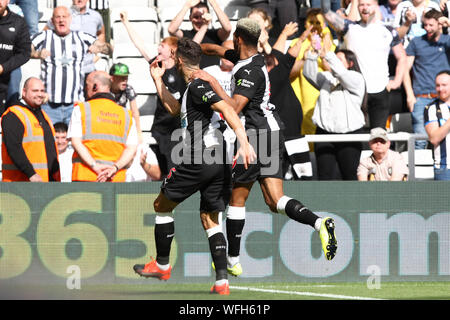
135,173
65,164
225,78
371,44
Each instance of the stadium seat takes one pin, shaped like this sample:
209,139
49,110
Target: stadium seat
104,63
400,122
125,50
424,163
144,21
147,106
135,13
169,3
146,122
224,3
235,12
132,3
146,103
44,4
45,14
66,3
146,125
139,77
128,50
147,30
30,69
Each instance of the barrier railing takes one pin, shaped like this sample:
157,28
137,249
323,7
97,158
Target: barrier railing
410,138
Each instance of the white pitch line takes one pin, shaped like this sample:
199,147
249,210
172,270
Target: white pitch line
303,293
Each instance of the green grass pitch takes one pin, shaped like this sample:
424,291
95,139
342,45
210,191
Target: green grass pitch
160,290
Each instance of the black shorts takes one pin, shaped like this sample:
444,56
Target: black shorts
212,180
269,148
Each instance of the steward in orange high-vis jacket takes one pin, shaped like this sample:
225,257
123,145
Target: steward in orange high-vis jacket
29,150
103,134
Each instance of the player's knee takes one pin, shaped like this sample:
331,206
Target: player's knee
160,206
238,201
272,205
156,205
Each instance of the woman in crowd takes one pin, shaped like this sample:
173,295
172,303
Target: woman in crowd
338,109
304,91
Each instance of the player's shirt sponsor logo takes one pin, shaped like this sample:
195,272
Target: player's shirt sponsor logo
245,83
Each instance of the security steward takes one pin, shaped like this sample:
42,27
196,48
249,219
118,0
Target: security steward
29,150
103,134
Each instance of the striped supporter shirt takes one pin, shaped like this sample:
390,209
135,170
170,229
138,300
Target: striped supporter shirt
61,71
439,112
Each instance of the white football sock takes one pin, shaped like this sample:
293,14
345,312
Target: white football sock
163,267
317,224
231,261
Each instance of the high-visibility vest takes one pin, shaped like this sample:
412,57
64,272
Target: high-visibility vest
105,129
33,145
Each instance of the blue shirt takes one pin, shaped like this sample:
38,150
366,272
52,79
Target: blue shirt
430,59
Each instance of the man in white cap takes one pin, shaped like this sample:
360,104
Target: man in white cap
383,164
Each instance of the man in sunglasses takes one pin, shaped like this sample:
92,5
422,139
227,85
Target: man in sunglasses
383,164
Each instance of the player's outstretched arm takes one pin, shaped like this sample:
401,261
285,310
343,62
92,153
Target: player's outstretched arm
245,148
215,85
237,102
134,36
211,49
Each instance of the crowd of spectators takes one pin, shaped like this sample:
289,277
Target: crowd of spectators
347,66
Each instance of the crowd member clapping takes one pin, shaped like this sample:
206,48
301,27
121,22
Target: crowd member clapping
338,110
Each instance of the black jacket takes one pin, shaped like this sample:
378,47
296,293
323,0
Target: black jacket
15,45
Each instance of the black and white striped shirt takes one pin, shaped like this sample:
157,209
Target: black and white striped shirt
439,112
251,80
99,4
61,71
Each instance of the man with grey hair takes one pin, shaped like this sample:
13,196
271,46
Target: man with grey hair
62,53
89,21
251,92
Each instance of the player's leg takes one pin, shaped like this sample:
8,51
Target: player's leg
218,248
272,189
164,233
181,182
235,222
215,193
